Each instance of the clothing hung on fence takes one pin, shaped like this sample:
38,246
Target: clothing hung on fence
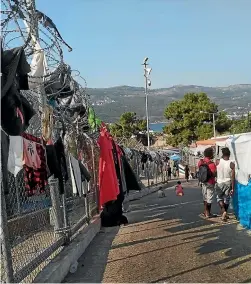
85,175
108,182
31,157
15,158
4,160
47,123
112,214
16,111
35,178
75,176
130,177
38,68
116,158
60,152
54,166
123,178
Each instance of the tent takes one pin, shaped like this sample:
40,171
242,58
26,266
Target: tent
240,147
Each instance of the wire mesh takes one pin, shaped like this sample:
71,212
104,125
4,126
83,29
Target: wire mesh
39,224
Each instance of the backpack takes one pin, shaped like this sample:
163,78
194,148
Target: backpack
204,173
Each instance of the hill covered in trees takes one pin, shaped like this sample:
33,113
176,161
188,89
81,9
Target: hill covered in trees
111,103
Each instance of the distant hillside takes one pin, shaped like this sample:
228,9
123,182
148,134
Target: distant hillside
110,103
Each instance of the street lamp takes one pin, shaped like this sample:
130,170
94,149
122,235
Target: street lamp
214,126
147,72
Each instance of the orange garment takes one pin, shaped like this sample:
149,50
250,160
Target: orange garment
108,182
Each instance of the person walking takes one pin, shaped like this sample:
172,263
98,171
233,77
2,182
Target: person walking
207,173
187,172
225,181
177,169
169,172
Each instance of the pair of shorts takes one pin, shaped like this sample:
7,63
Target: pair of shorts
223,192
208,192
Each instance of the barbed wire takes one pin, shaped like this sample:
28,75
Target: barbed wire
72,101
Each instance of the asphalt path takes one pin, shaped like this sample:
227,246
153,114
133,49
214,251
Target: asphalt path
168,241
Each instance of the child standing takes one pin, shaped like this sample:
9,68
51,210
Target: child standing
179,189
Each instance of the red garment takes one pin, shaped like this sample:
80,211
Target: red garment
179,190
35,179
108,182
211,166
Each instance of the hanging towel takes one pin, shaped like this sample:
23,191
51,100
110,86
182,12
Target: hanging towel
15,159
35,178
76,174
31,157
74,186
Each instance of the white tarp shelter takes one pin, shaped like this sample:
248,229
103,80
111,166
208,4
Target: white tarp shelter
240,148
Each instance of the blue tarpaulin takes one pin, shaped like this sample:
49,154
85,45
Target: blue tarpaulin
242,204
175,157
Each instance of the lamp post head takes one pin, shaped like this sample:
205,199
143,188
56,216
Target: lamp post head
145,61
148,70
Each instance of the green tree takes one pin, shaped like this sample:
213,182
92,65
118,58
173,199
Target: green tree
241,125
190,119
129,124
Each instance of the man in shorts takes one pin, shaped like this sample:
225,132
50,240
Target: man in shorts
208,186
225,181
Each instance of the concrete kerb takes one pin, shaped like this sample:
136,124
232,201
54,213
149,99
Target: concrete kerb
145,191
58,268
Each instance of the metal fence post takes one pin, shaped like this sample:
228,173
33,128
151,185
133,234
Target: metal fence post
147,172
95,177
65,220
88,207
6,258
156,172
94,172
56,206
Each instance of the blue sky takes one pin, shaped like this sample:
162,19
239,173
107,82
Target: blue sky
203,42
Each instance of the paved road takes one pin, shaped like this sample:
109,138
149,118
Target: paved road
167,241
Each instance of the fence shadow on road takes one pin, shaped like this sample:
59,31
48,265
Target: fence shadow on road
92,263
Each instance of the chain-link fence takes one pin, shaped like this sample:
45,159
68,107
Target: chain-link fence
150,166
37,225
37,218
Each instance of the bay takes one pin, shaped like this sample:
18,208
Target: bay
157,127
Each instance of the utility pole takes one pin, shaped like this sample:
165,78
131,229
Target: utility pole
147,72
249,122
214,126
